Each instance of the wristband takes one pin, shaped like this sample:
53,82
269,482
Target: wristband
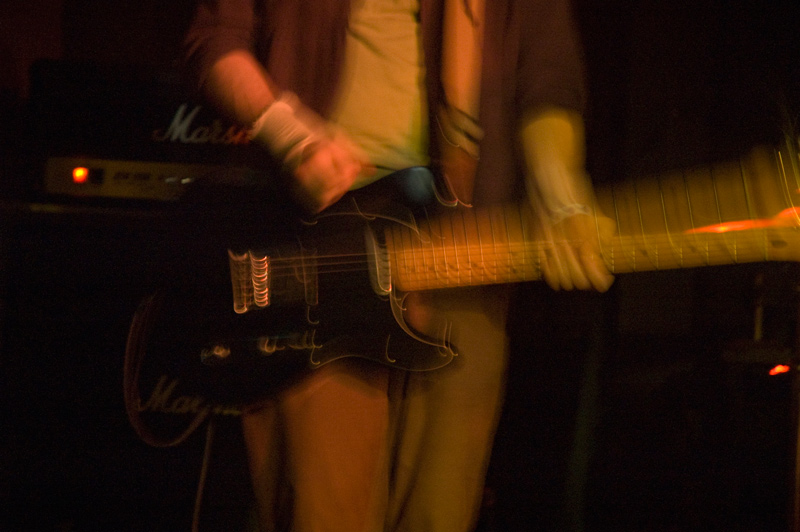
287,129
565,211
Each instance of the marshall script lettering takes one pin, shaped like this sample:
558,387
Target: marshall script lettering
163,401
183,130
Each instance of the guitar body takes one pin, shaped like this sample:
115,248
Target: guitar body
322,304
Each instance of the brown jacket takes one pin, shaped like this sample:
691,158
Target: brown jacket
531,59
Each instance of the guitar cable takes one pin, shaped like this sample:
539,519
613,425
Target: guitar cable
132,364
201,482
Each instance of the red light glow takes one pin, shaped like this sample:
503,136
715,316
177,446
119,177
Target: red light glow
727,227
780,368
80,174
786,218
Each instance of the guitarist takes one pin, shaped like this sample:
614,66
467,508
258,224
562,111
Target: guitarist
340,93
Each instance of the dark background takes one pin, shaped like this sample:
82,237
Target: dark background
658,416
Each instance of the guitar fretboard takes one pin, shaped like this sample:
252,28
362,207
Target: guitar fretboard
729,213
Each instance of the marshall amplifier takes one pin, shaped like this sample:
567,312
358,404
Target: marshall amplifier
107,152
118,133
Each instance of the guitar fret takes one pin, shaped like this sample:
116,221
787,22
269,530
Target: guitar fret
494,246
618,218
444,271
413,268
748,198
751,211
466,242
610,256
428,254
783,177
692,225
720,219
648,252
414,262
455,252
480,247
662,202
512,267
430,270
524,253
448,268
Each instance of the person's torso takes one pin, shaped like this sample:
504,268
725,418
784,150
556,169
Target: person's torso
381,97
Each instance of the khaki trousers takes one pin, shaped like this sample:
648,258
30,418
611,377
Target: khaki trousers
363,448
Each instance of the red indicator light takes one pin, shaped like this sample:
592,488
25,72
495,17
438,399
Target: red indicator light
780,368
727,227
80,174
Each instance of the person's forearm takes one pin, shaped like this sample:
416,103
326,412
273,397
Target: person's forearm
239,87
553,141
324,165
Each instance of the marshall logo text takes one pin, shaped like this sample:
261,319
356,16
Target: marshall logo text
163,401
183,130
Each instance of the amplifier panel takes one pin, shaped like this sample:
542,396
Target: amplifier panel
108,178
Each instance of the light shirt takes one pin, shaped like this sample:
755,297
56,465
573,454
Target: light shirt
382,96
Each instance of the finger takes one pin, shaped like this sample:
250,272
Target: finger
353,149
590,270
323,178
551,277
346,168
547,266
596,271
574,268
555,271
352,160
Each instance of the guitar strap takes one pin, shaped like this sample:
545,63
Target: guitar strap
458,117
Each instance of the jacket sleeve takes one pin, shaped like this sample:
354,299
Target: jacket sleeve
218,27
551,71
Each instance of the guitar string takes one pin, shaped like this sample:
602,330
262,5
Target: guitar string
427,280
692,242
500,258
695,256
725,243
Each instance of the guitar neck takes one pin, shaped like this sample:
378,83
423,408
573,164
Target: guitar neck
729,213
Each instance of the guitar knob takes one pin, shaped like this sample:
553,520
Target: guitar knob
215,354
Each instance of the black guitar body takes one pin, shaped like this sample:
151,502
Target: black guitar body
322,306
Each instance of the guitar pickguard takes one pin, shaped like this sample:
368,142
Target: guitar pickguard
350,310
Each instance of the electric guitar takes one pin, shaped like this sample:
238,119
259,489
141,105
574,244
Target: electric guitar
304,293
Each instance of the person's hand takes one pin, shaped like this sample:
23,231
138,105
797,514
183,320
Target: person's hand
571,232
327,171
324,162
572,251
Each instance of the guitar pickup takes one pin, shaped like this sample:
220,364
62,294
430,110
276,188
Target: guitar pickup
250,280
